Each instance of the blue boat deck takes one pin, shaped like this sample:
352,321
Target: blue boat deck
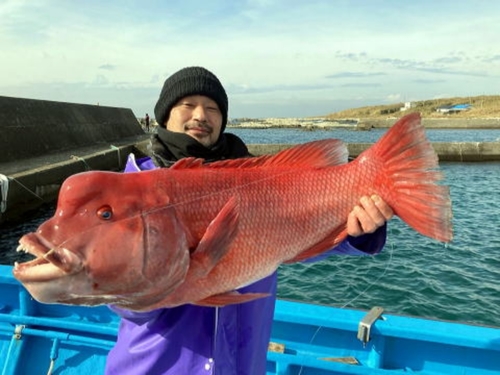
311,339
314,336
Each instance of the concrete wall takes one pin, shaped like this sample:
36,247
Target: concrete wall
449,122
44,142
452,151
32,188
30,128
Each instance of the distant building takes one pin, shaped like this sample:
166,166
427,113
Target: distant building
406,106
454,108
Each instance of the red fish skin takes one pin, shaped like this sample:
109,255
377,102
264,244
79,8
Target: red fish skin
311,208
266,211
112,260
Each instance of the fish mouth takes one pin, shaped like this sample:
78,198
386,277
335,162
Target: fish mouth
51,262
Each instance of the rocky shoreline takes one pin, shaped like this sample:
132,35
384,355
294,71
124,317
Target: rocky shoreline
362,123
292,122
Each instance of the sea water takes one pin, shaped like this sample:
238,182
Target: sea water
298,135
414,275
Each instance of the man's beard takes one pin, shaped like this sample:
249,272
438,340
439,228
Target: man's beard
203,125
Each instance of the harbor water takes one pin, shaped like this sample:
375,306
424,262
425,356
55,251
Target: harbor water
414,275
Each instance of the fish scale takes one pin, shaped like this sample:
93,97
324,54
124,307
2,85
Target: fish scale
195,232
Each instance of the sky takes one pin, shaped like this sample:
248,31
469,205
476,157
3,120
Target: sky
275,58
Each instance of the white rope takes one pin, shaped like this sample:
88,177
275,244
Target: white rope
76,157
113,147
391,250
27,188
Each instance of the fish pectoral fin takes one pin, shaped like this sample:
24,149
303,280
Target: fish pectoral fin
230,298
216,241
333,239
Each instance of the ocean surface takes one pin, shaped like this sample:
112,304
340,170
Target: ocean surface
298,135
414,275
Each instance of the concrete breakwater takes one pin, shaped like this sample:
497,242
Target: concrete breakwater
292,122
364,123
43,142
439,123
446,151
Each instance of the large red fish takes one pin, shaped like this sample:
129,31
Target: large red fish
194,233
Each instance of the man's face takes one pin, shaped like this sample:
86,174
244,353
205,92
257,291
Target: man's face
198,116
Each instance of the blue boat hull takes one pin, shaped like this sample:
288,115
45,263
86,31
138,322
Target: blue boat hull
310,339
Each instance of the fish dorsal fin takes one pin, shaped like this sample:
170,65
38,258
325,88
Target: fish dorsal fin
316,154
187,163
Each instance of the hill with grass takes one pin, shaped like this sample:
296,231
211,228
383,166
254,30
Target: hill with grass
480,107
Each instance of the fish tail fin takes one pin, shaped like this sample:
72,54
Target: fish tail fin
410,181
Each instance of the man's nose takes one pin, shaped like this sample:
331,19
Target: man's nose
199,113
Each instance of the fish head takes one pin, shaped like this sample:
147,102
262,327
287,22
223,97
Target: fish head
114,239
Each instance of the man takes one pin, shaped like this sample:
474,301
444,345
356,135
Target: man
147,122
192,115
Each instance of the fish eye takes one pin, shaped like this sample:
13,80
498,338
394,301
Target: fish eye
105,213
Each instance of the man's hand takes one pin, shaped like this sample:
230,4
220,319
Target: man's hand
371,213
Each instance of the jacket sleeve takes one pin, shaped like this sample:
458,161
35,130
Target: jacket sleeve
137,165
367,244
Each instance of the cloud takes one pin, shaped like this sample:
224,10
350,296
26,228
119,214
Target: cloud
451,72
355,75
108,67
448,60
351,56
441,65
361,85
100,80
490,59
393,98
429,81
275,88
279,55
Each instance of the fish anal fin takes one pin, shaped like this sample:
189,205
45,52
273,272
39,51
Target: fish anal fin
216,241
230,298
333,239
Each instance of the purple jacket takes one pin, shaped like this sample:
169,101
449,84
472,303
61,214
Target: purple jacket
192,340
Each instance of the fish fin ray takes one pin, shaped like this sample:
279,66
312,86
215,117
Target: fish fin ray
230,298
216,240
410,180
188,163
330,241
317,154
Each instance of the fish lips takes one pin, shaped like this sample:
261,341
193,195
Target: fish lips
51,261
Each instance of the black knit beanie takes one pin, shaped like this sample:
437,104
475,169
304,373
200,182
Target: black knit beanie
190,81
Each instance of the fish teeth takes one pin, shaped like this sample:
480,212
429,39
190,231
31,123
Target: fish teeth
21,248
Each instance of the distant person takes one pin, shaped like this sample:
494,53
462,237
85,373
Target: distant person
232,340
147,122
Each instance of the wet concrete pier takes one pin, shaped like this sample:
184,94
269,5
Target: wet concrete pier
43,142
